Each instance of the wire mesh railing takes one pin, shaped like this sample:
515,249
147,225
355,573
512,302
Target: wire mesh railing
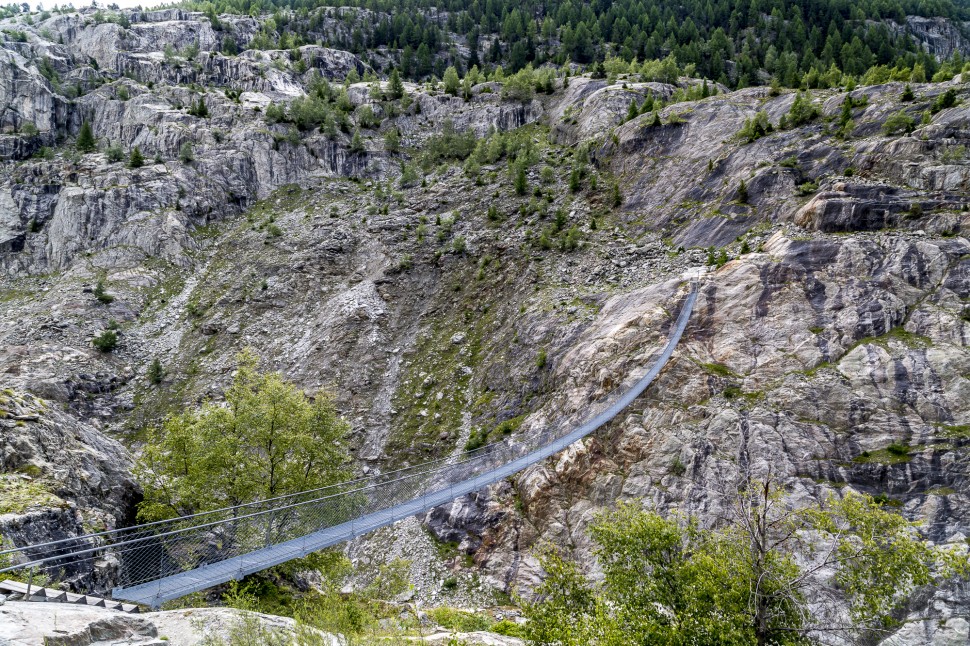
157,561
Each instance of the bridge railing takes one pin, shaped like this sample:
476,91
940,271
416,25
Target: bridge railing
132,556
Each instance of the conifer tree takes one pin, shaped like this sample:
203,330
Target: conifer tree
395,88
137,160
86,143
451,81
633,112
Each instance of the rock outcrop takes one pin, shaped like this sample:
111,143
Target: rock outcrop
29,624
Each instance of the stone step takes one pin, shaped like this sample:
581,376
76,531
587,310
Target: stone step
37,593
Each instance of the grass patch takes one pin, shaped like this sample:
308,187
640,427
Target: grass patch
897,334
893,454
718,369
955,431
825,365
480,437
459,620
18,494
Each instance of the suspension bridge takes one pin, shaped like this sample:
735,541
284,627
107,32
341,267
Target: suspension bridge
152,563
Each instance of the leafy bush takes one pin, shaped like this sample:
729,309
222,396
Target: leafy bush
519,180
509,628
946,100
899,123
899,450
86,143
199,109
186,154
449,144
106,342
114,153
100,293
678,468
459,620
306,112
156,373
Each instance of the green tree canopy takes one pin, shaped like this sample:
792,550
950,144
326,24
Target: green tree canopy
668,581
268,439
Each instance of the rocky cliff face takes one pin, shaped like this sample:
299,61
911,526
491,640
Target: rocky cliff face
834,328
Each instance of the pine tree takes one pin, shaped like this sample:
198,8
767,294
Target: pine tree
451,80
846,115
137,160
156,373
86,143
633,112
575,176
743,192
102,295
395,88
521,183
357,142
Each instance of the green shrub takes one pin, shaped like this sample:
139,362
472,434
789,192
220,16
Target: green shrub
946,100
101,294
520,86
899,123
186,154
802,111
743,192
199,109
156,373
898,450
572,239
678,468
107,341
509,628
114,153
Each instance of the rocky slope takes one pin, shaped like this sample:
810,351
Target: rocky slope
828,346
